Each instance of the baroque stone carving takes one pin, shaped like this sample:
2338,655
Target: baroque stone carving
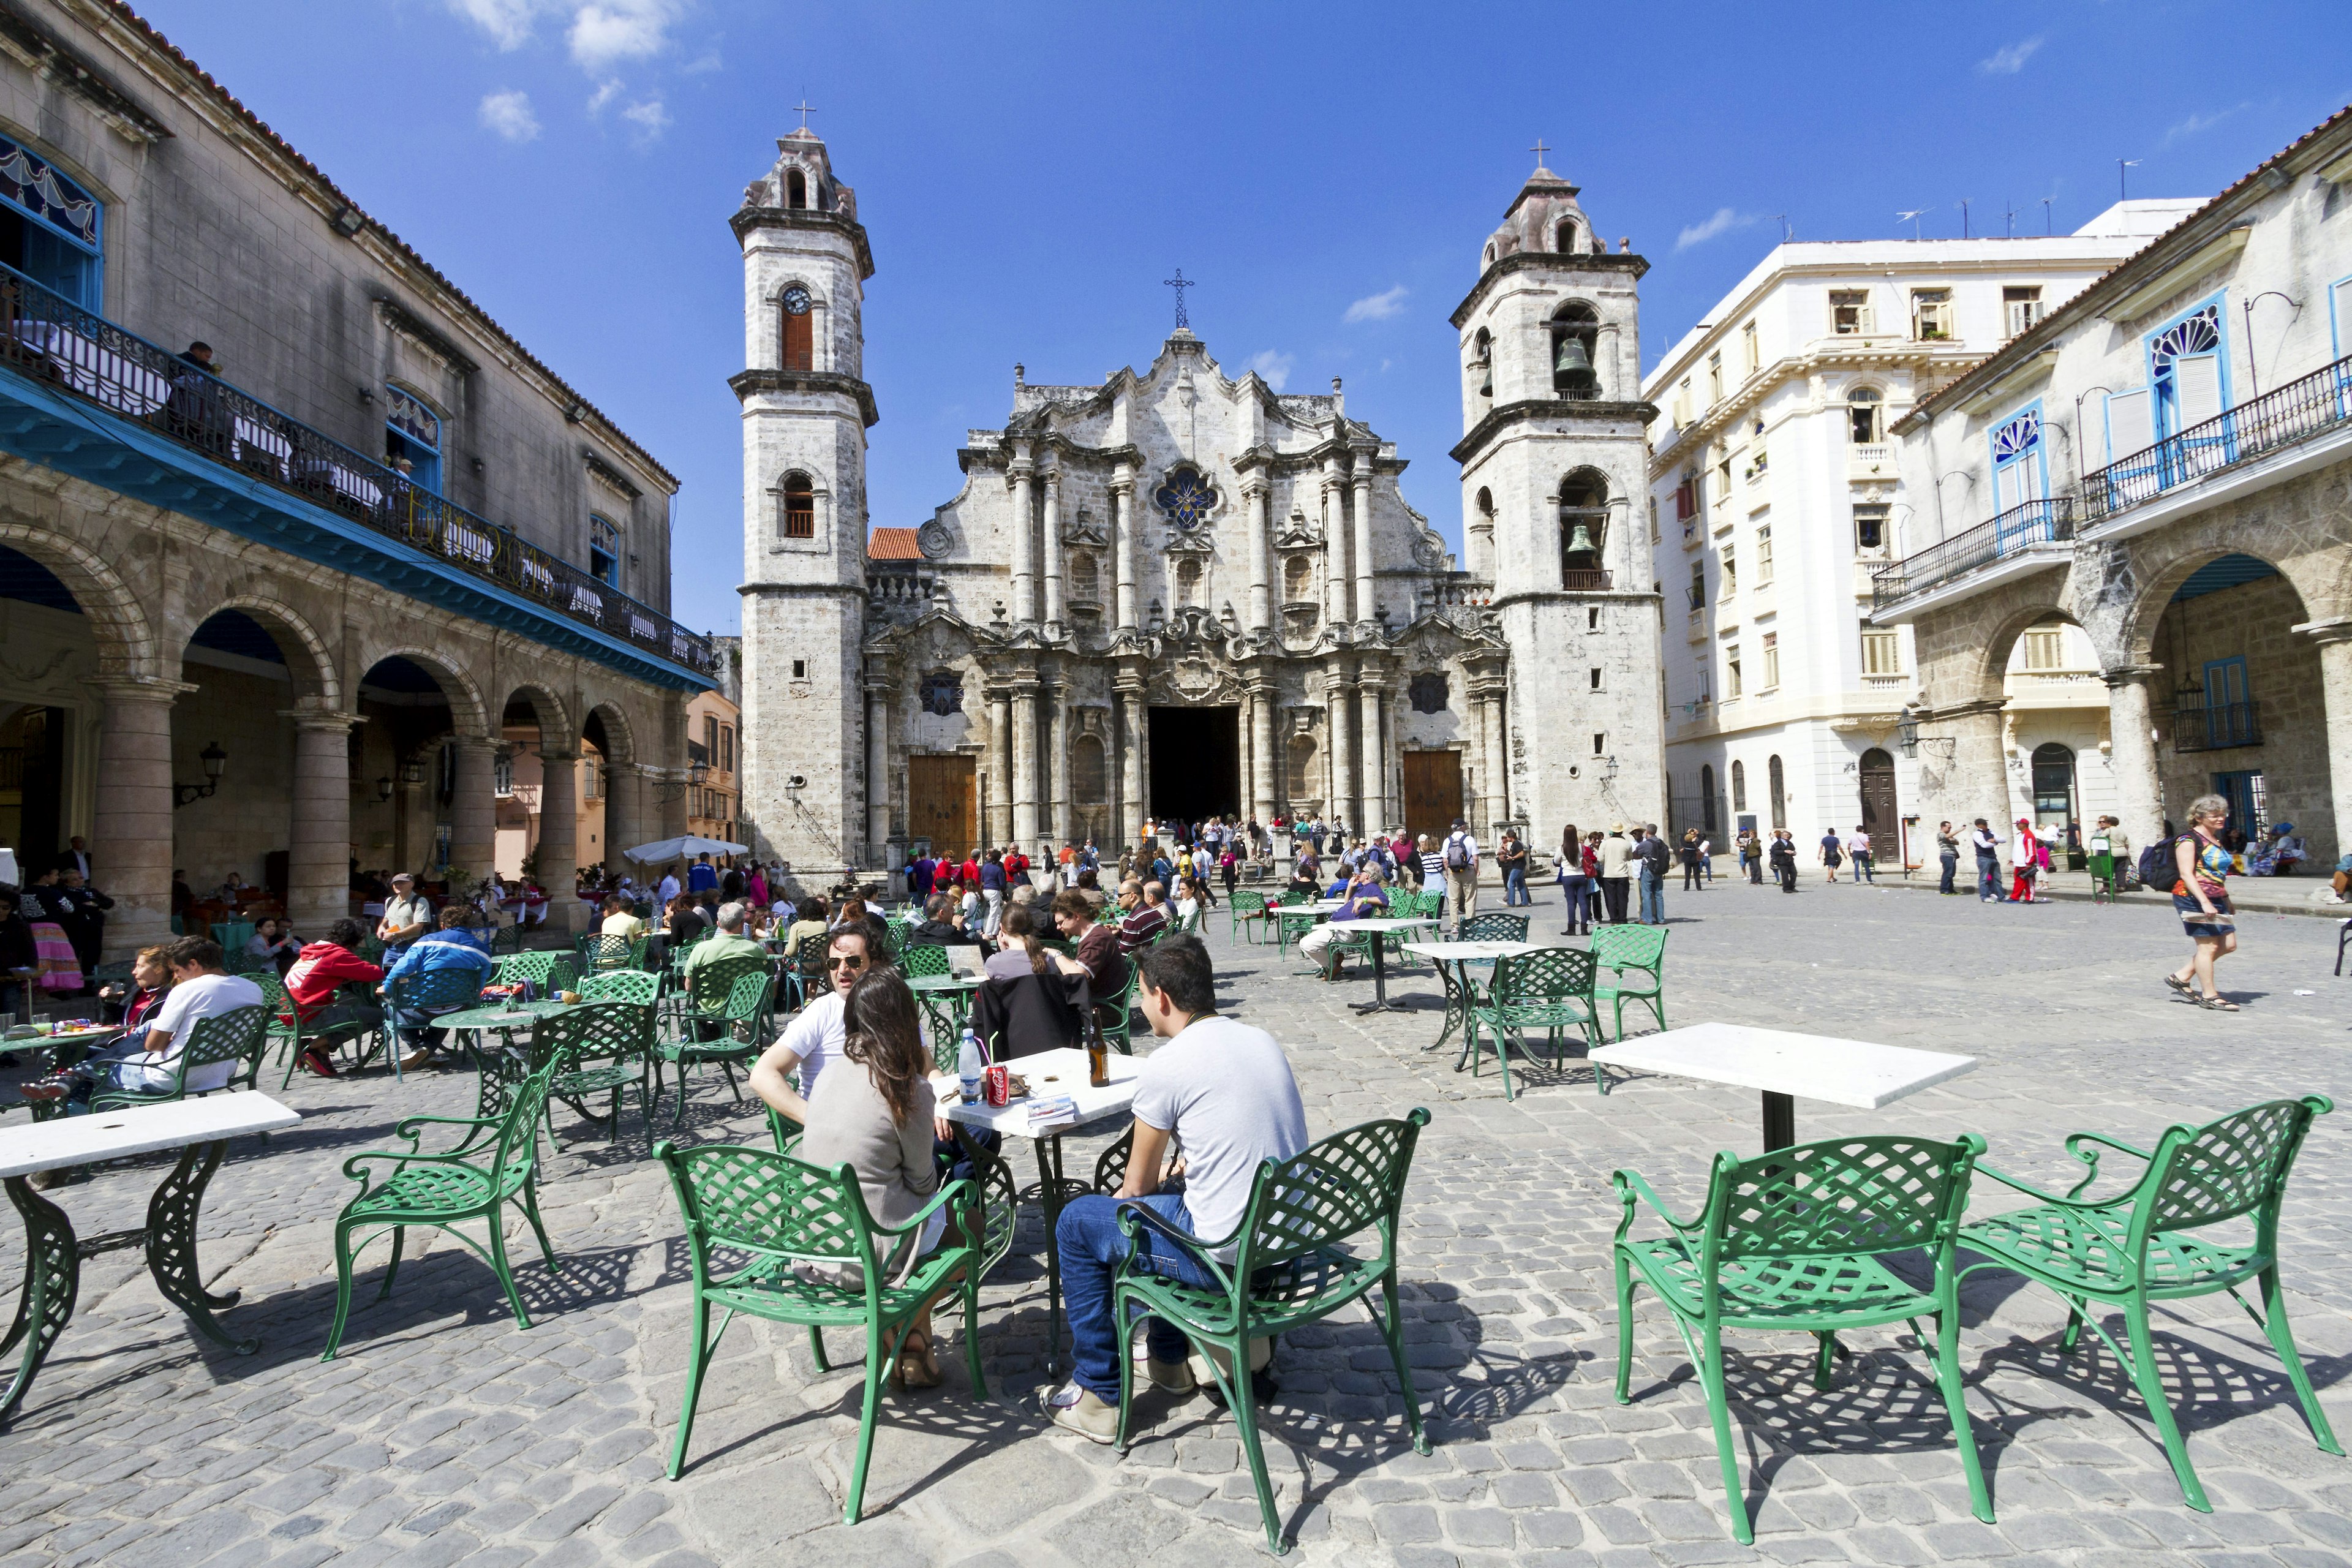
934,539
1430,691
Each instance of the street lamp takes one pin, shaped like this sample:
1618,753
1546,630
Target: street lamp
383,789
216,762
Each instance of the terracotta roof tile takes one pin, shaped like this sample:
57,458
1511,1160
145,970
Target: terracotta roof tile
892,545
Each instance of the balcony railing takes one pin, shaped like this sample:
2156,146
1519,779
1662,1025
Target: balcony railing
61,345
2217,727
2047,522
2313,405
1584,581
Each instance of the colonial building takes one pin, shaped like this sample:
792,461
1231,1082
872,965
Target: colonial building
278,610
2164,465
1177,592
1778,493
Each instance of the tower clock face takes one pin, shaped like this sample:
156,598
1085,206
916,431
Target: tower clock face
796,300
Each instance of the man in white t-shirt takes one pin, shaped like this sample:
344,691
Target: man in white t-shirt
813,1039
200,989
1857,849
1223,1090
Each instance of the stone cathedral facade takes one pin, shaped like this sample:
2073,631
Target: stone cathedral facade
1177,594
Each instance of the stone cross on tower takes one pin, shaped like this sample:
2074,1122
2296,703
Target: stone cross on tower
806,109
1180,283
1540,149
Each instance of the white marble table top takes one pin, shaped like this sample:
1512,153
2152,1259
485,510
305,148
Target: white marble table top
1457,952
142,1129
1049,1074
1810,1066
1387,923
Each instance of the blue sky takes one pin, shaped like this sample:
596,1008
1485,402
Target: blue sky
1029,174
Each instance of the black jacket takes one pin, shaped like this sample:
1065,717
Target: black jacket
1030,1013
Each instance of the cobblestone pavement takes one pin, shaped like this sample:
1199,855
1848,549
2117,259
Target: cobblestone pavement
443,1434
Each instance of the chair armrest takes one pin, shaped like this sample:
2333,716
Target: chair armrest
1630,1185
962,1189
1134,1217
407,1126
398,1157
2030,1190
2090,1157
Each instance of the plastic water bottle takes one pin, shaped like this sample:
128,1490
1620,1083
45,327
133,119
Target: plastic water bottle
968,1066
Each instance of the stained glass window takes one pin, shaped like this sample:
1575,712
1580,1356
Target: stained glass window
1187,497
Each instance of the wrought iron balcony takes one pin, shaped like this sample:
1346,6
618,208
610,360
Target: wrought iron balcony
1584,581
2047,522
65,348
2314,405
2217,727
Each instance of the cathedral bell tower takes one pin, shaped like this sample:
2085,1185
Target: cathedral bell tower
1555,469
806,408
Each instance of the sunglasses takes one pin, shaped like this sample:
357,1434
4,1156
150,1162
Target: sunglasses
849,962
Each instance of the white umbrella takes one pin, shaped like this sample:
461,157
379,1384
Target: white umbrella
682,849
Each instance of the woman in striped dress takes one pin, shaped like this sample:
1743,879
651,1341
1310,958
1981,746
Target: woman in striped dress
43,907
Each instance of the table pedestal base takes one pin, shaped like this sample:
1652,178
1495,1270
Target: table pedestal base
1380,1002
1780,1121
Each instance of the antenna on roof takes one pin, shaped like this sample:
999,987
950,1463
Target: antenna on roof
1787,233
2046,228
1964,215
1913,218
2123,186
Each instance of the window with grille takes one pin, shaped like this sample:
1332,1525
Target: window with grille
1882,653
1863,409
2020,308
800,508
1771,661
1870,529
1849,311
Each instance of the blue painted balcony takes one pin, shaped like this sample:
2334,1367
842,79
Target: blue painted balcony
80,395
2274,423
2037,533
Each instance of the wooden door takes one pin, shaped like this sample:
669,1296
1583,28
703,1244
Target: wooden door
942,801
1433,792
1879,819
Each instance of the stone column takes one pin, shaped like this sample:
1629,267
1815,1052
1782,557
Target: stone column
1494,772
1364,606
1963,764
1261,555
318,848
2335,640
1261,753
624,812
407,819
132,852
1130,761
1024,537
559,839
1122,545
1051,530
473,806
1373,759
1000,768
1025,765
1335,546
1342,752
2131,747
877,769
1063,818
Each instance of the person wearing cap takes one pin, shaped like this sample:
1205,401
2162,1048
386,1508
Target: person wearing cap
407,914
1459,854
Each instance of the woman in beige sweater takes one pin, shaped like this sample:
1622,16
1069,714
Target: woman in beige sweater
873,1112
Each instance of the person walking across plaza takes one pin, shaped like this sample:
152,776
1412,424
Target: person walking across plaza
1511,857
1224,1092
1947,852
1858,849
1461,856
1830,852
2025,855
1616,871
1690,860
2200,862
1575,882
1654,856
1783,856
1751,855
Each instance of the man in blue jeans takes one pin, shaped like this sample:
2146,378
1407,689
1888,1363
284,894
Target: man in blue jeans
1225,1092
1987,844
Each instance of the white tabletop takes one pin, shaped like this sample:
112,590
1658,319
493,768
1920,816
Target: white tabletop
1454,951
112,1135
1814,1067
1388,923
1049,1074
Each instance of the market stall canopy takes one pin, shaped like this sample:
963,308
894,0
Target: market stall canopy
684,848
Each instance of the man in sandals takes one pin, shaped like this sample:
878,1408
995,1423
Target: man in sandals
1224,1092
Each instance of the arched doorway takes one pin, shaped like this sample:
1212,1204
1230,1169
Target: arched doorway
2053,784
1879,813
1706,796
401,791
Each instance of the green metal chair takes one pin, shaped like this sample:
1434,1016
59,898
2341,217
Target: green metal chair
599,951
741,1026
428,991
1796,1240
1549,989
1292,1267
784,1211
1493,926
1114,1014
2103,878
633,985
2144,1245
240,1036
597,1047
550,971
442,1191
923,957
1630,947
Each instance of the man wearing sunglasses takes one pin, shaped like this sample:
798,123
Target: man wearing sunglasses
813,1039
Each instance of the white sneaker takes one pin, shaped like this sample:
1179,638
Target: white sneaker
1083,1411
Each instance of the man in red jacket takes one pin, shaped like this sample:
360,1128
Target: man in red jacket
321,967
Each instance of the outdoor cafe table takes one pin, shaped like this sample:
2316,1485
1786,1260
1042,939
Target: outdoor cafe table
1461,956
1305,914
1786,1066
1380,926
1049,1074
200,1130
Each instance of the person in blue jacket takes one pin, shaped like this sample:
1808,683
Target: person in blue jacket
450,947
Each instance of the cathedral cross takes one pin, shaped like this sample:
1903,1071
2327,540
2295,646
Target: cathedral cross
1540,149
1180,283
806,109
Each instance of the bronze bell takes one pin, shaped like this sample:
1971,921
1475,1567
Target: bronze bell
1487,388
1579,539
1573,369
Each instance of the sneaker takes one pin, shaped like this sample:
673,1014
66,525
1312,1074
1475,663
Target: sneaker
1169,1376
1083,1411
316,1062
415,1060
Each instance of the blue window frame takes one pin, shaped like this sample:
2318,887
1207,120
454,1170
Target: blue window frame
2189,368
412,434
2229,705
2243,791
51,229
603,551
2020,467
2339,338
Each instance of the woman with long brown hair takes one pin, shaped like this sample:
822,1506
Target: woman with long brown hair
1018,951
873,1113
1575,883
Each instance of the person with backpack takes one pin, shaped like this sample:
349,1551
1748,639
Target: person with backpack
2191,868
1461,856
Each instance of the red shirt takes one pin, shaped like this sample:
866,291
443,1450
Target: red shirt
323,966
1016,865
970,875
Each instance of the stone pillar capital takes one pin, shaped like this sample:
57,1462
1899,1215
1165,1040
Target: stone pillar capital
2335,629
140,688
307,716
546,755
1983,705
2129,674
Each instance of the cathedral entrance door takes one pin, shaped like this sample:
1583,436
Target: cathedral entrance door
942,803
1880,818
1196,762
1433,793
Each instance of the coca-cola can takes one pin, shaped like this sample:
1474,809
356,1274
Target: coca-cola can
996,1086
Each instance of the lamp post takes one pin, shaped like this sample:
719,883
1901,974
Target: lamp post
2254,366
216,762
2078,439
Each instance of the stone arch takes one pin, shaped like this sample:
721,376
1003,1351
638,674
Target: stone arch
315,678
469,714
128,646
621,735
547,708
2002,642
2160,566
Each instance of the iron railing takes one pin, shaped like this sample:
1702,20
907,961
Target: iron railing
2312,405
1584,581
2050,520
2217,727
59,343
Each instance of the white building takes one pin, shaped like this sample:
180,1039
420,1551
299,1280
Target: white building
1774,497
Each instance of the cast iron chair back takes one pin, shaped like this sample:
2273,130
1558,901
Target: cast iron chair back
548,970
601,952
923,957
632,985
431,991
239,1034
711,985
592,1033
1491,927
1836,1198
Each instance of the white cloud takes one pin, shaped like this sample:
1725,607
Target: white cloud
1722,223
605,93
2009,59
1377,307
2197,124
606,32
509,113
508,22
1273,368
649,117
